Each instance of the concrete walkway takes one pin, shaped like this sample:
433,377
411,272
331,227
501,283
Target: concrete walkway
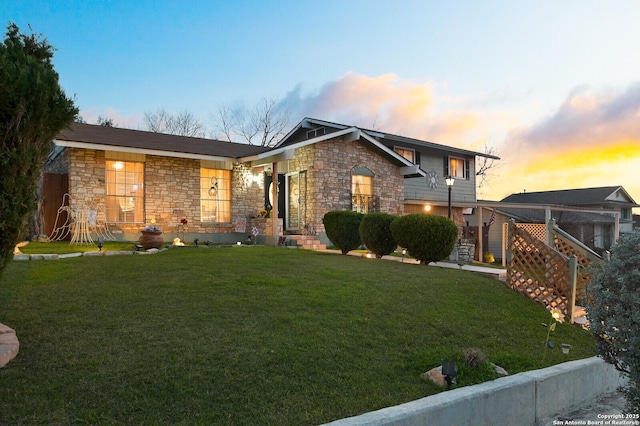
497,273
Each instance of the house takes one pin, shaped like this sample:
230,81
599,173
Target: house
219,191
595,216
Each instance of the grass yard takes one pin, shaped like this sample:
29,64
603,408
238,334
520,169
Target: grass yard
250,335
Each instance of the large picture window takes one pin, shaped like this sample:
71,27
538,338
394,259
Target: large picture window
125,192
215,195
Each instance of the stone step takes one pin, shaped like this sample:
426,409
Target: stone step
9,345
315,245
308,242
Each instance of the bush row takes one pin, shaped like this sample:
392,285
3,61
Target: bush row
426,237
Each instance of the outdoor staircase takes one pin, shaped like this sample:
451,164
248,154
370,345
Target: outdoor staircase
308,242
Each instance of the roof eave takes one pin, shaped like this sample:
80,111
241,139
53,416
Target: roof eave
163,153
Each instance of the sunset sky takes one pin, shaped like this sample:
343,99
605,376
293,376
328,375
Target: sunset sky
552,86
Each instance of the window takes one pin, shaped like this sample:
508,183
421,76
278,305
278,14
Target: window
215,195
625,214
315,133
125,191
456,167
362,199
407,153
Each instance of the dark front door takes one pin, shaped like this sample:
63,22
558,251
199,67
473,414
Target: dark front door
268,190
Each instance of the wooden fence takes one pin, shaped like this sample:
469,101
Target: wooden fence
553,270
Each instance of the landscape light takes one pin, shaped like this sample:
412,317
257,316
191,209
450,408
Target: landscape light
449,371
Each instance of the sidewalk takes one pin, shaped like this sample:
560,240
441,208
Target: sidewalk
605,408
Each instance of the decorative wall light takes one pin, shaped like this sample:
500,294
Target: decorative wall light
213,191
427,208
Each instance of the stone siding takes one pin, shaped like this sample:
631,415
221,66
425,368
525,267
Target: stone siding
172,192
59,165
328,167
172,186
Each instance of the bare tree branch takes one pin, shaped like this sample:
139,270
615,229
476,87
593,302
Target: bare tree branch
264,124
183,123
224,123
484,165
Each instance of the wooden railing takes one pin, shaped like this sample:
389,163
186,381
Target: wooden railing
541,272
570,246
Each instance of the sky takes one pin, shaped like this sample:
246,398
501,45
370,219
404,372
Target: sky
552,87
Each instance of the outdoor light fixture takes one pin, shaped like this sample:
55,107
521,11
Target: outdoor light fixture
214,187
566,348
100,243
450,180
449,371
404,251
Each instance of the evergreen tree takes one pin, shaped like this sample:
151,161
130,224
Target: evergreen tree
33,110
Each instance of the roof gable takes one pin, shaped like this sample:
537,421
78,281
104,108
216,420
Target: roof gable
309,126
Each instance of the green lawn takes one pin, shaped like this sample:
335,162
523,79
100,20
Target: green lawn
249,335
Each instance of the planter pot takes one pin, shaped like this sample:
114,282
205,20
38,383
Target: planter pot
151,240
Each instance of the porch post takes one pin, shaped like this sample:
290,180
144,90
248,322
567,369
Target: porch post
573,281
274,207
480,235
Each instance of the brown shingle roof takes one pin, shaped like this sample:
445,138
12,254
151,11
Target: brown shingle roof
138,139
571,197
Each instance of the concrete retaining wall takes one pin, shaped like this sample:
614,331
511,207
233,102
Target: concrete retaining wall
520,399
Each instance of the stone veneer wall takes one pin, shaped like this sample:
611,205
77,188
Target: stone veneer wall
328,166
172,192
248,195
60,164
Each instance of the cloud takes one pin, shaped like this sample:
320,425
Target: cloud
391,104
592,139
590,120
90,115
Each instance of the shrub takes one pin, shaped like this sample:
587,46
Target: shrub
375,233
613,298
427,237
473,357
33,109
343,229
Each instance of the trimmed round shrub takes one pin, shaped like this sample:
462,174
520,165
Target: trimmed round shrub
343,229
427,237
375,233
613,310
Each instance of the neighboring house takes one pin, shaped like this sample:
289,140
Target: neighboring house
576,211
129,179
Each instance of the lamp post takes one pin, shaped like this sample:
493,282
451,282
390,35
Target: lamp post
449,181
